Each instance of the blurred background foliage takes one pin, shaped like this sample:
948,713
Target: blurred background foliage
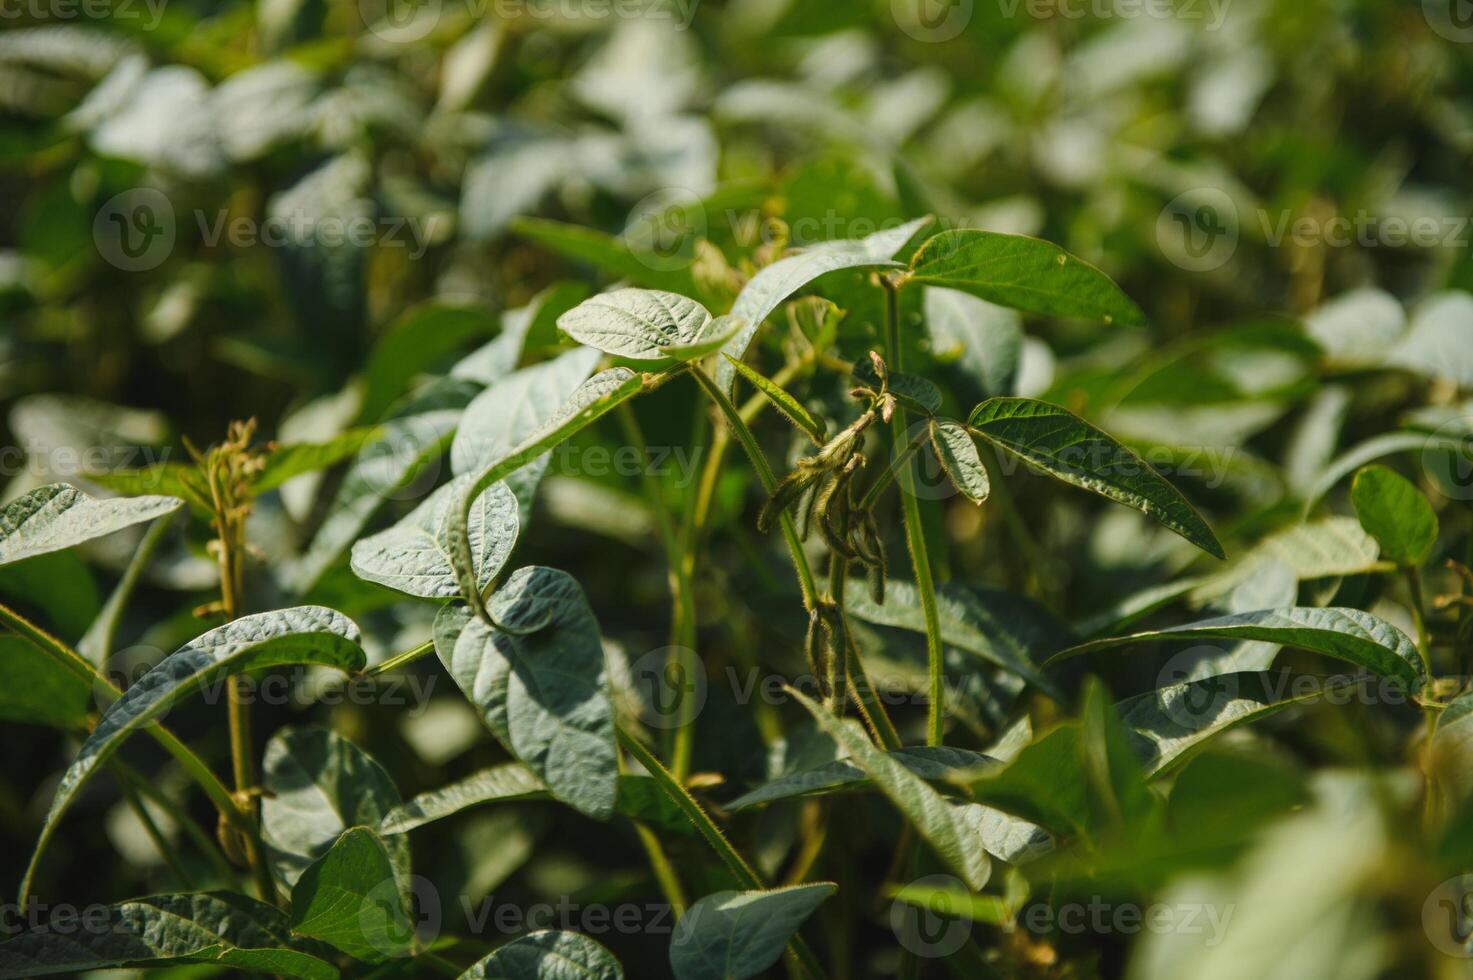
476,137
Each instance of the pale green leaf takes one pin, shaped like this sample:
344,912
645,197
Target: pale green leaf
544,694
222,929
593,399
413,556
958,455
773,284
57,516
949,832
300,635
637,323
734,935
548,955
318,784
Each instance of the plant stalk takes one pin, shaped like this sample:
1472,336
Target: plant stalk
915,532
744,435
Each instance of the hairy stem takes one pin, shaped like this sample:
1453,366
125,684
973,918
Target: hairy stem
679,573
915,532
744,873
743,434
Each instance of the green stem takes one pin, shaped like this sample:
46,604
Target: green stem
191,828
683,611
743,434
401,659
166,851
1424,644
743,872
78,665
915,533
887,473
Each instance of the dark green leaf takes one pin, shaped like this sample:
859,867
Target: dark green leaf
1024,273
734,935
1065,446
548,955
350,899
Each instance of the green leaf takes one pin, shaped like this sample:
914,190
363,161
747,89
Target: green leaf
733,935
1001,835
918,394
349,898
295,458
413,557
1044,783
1118,792
57,516
1023,273
160,478
1345,634
410,442
935,762
1173,723
941,824
1063,445
1001,628
39,690
717,332
958,455
790,407
223,929
415,342
596,397
635,323
637,797
301,635
773,284
528,327
318,784
1395,513
513,408
506,782
984,340
952,902
605,252
548,955
544,694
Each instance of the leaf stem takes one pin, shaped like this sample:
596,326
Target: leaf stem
401,659
915,532
743,872
743,434
678,572
193,765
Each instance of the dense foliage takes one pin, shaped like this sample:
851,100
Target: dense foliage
539,489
